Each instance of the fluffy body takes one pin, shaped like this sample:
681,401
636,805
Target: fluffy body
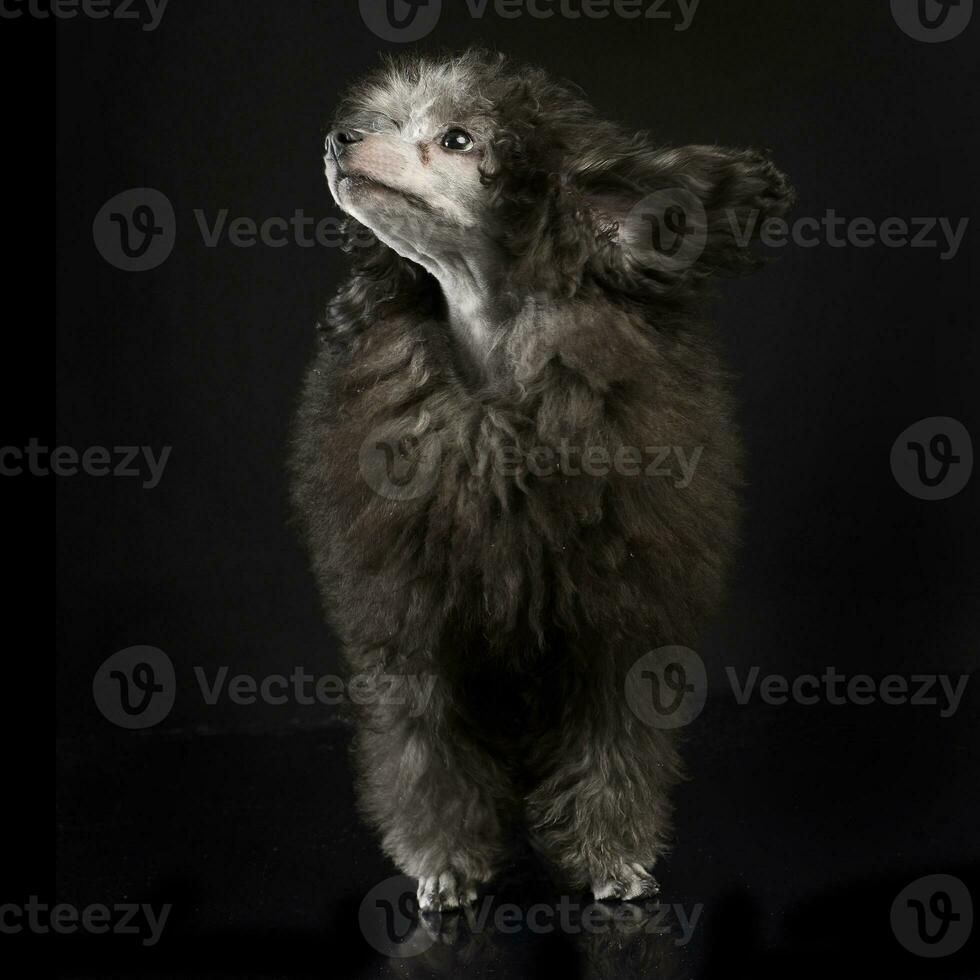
496,310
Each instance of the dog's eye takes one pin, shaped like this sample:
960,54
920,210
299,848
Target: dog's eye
456,139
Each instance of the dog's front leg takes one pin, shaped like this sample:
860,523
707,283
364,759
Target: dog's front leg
602,814
435,797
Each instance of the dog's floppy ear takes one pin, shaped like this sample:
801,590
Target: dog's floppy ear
673,217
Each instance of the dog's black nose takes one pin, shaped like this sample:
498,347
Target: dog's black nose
339,139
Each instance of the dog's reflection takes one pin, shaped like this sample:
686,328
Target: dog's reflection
568,937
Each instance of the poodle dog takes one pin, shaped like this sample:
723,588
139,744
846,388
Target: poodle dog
522,337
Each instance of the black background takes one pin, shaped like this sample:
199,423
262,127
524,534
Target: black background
224,106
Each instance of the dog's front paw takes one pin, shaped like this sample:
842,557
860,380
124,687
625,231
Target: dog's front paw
628,882
445,891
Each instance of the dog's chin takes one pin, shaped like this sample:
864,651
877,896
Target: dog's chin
369,193
360,187
395,216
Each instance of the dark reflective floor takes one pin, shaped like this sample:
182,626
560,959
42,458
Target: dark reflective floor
796,833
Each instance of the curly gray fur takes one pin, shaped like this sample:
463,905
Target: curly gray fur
526,595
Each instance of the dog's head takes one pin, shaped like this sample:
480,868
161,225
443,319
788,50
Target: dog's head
475,157
410,157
